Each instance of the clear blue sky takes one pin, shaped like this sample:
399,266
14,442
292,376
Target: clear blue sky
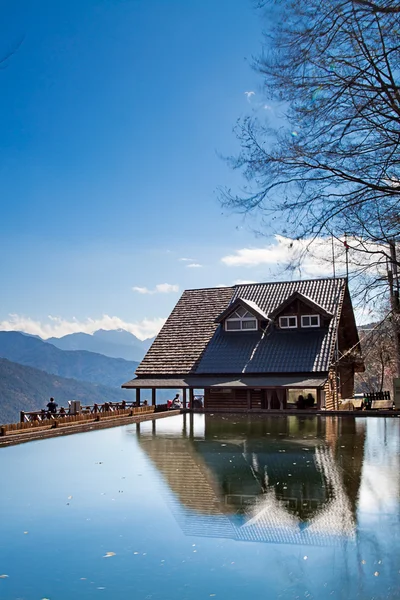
112,115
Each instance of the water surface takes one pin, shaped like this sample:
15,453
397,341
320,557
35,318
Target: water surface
209,507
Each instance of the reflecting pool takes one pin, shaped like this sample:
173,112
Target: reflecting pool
190,508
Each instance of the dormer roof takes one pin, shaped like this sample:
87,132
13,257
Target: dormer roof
249,305
306,300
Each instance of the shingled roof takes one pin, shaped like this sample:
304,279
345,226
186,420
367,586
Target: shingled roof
191,342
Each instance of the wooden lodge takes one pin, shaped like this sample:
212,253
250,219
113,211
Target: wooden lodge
257,347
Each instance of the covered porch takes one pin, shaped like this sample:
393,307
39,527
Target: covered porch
239,394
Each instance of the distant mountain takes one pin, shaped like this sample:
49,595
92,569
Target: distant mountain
116,343
26,388
79,364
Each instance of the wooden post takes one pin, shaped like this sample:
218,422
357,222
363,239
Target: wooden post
153,427
191,398
21,416
184,429
184,398
153,396
319,398
137,396
248,399
191,428
269,398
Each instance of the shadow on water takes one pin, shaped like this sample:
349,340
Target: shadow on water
289,480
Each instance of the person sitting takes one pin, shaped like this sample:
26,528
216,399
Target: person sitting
300,402
62,412
52,406
145,403
309,401
176,403
197,402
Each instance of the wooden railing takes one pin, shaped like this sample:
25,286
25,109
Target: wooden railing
378,400
36,419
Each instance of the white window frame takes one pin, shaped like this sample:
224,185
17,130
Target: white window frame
309,317
288,326
241,320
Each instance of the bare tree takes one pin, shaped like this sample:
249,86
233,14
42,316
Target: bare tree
333,66
380,358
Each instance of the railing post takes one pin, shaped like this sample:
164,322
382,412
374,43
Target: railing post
21,416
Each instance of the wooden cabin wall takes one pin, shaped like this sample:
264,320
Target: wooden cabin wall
234,399
346,374
330,390
218,399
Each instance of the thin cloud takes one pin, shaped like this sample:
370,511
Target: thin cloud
161,288
249,95
243,282
193,266
313,256
58,327
183,259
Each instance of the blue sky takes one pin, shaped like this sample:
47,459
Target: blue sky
112,115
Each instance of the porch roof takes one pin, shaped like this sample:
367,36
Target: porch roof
263,381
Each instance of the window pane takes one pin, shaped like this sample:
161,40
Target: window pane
292,321
315,320
241,311
232,324
305,321
249,324
283,321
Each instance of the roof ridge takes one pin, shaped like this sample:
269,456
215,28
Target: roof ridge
237,285
291,281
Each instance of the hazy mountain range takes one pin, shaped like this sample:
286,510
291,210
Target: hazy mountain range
79,364
116,344
25,388
32,370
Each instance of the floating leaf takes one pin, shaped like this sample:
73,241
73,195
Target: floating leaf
109,554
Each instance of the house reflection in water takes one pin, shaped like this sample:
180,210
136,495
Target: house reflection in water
284,480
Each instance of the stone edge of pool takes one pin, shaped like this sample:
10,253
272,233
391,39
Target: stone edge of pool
13,439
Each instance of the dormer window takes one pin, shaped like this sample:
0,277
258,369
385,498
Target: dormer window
310,320
288,322
241,320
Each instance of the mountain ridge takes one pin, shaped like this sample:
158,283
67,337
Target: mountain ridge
116,343
27,388
81,365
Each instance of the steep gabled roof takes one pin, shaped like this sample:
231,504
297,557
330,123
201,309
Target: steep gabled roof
182,340
305,299
191,342
248,305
